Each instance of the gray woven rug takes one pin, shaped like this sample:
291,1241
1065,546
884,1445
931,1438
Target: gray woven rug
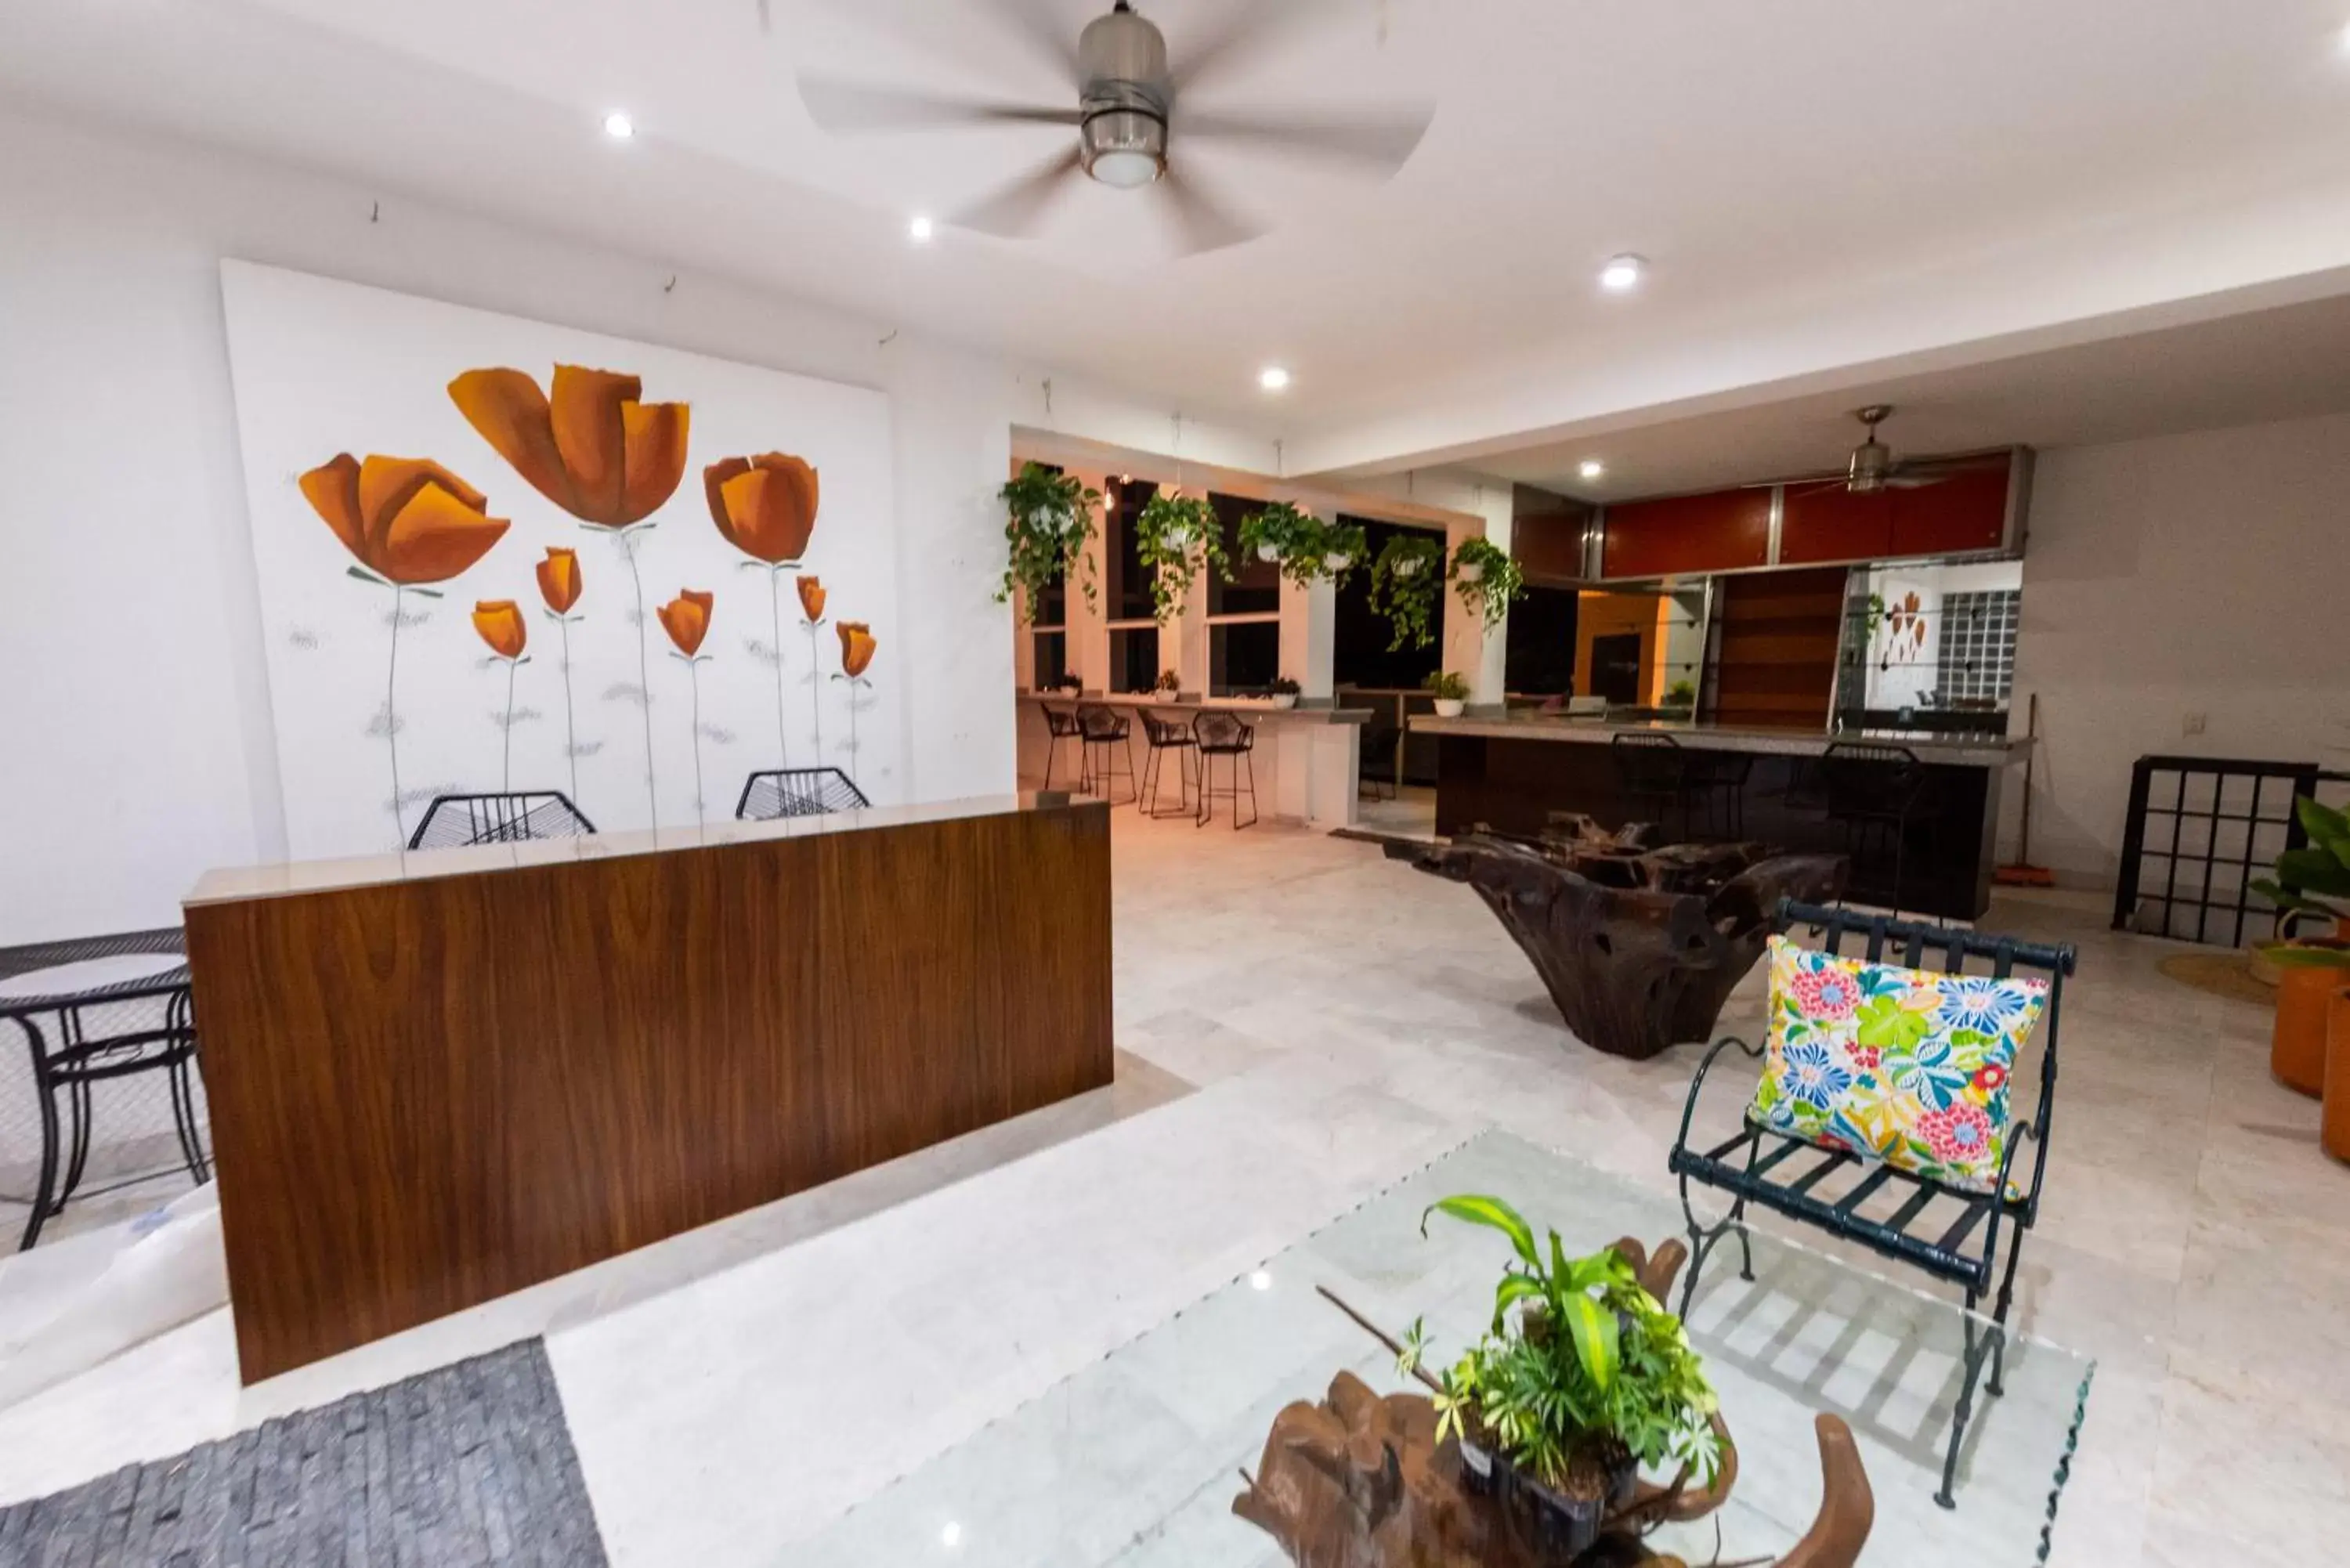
470,1464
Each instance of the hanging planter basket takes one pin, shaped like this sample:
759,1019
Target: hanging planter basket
1405,581
1048,517
1486,579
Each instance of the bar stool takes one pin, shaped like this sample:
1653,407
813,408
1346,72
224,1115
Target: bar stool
1162,736
1719,779
1225,735
1653,776
1061,724
1108,741
1873,792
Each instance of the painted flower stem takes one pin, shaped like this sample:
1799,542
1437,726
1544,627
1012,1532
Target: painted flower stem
776,641
570,724
644,674
693,670
507,784
391,715
816,694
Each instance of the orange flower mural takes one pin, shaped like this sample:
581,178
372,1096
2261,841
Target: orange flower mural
501,625
559,580
592,446
812,598
811,591
407,522
686,619
857,646
764,506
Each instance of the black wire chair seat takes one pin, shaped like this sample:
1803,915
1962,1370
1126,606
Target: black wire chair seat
797,792
1952,1233
452,821
67,1057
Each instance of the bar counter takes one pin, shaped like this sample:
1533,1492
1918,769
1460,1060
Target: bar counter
1509,773
438,1077
1309,763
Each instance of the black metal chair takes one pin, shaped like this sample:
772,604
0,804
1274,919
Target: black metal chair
1232,738
88,1040
1061,724
1875,793
1161,736
1931,1227
1652,774
797,792
1109,741
1716,782
454,820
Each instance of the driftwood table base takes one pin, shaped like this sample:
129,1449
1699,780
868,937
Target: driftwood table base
1639,946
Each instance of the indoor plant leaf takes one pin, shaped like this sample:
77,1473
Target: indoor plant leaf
1492,1213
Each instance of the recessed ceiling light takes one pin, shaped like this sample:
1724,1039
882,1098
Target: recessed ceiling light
618,126
922,229
1261,1279
1592,468
951,1535
1272,378
1622,273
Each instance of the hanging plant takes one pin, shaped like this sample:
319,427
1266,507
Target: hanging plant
1048,517
1486,579
1281,532
1405,581
1343,546
1177,536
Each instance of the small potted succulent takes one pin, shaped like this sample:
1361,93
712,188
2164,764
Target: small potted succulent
1282,692
1068,680
1486,579
1451,691
1168,683
1405,584
1583,1380
1048,517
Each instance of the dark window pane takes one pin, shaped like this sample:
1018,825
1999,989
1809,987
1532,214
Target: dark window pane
1255,588
1359,654
1542,642
1052,658
1245,658
1134,658
1129,579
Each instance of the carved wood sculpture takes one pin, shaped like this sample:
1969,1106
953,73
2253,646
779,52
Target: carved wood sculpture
1639,946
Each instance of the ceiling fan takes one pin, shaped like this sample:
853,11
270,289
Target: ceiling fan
1874,469
1127,113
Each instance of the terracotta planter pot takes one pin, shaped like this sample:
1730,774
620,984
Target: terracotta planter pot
2297,1049
2334,1133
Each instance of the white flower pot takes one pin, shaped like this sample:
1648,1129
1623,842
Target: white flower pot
1472,571
1179,538
1450,707
1337,563
1268,552
1410,567
1284,699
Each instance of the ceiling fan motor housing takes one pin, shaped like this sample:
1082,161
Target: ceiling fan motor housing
1123,138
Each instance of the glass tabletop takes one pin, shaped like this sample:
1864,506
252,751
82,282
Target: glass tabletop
1136,1459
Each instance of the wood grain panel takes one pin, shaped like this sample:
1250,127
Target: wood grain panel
429,1093
1777,647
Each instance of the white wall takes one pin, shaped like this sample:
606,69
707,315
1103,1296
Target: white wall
135,742
2198,575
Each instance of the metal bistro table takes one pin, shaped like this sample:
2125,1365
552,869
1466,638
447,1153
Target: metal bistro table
90,1011
1135,1461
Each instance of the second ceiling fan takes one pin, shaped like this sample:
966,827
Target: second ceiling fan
1128,117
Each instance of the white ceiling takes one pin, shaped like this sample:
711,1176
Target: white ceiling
1820,183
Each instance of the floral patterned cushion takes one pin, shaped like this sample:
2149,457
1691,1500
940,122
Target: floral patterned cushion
1900,1064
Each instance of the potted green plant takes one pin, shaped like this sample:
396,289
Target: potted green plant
1404,587
2313,880
1282,691
1168,682
1486,579
1068,680
1048,517
1280,532
1451,691
1681,694
1343,546
1177,537
1583,1380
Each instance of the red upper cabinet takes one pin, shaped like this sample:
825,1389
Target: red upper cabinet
1966,512
1826,521
1722,532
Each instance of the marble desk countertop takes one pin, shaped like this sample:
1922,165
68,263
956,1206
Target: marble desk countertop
1971,750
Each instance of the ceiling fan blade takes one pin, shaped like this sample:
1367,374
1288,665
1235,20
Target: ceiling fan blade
1013,211
1246,26
846,107
1206,223
1044,34
1383,140
1822,486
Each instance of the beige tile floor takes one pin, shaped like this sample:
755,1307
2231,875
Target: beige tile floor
1301,1023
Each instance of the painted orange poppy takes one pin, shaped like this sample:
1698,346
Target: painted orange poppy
501,625
687,620
592,446
812,597
406,519
856,648
558,579
764,505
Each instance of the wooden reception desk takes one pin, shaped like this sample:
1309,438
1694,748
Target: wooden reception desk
438,1077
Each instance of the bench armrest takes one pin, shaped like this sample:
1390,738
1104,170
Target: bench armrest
1754,1052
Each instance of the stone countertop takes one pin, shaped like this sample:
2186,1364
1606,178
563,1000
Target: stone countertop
1242,706
1972,751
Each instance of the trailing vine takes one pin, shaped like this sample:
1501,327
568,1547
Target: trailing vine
1048,517
1405,582
1177,536
1493,581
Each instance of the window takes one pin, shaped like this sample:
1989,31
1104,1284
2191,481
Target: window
1976,662
1255,588
1134,658
1242,656
1130,580
1052,658
1360,656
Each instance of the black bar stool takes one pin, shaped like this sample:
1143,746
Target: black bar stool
1109,743
1225,735
1716,782
1162,736
1061,724
1652,773
1874,793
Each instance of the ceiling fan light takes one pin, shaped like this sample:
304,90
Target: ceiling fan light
1124,146
1125,170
